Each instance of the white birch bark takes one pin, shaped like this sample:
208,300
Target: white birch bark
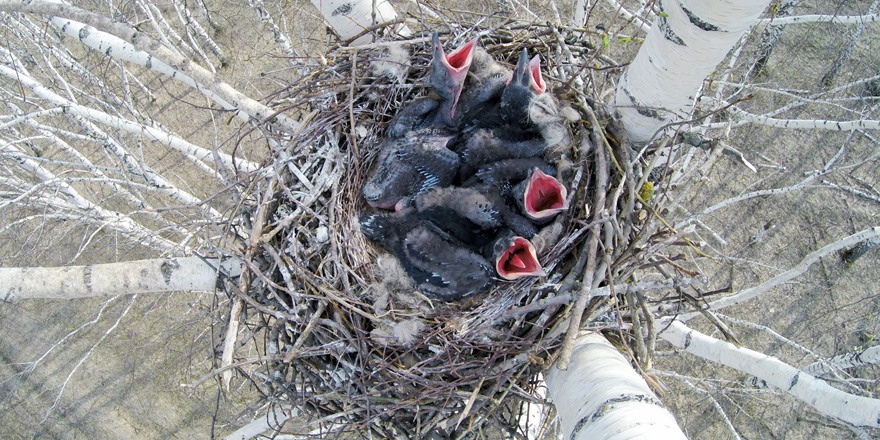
601,396
351,17
660,85
281,37
770,37
229,341
828,78
119,49
76,110
260,425
123,124
142,276
808,124
637,20
845,361
856,410
58,194
580,12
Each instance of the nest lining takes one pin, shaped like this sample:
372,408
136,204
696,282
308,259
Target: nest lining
348,338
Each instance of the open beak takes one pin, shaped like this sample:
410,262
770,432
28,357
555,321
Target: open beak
528,73
536,80
518,259
544,196
448,72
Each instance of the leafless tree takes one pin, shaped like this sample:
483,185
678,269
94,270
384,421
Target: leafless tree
710,257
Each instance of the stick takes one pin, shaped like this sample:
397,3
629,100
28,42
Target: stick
592,245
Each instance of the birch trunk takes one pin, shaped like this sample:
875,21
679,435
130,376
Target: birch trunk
601,396
660,85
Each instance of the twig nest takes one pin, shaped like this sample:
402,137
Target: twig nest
405,364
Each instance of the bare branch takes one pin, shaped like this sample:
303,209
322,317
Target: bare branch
857,410
143,276
820,18
158,50
811,258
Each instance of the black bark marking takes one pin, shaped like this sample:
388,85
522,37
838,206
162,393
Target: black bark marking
608,405
667,31
794,380
668,34
647,112
342,9
87,278
168,268
698,22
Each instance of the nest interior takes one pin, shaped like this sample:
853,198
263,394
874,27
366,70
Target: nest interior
344,335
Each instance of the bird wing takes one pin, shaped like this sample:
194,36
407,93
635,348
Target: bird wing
436,164
441,269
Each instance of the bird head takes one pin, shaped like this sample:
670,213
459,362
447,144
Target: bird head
528,73
448,72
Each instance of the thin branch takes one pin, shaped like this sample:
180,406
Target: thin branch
155,48
811,258
822,18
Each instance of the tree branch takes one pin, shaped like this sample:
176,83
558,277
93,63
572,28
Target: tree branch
857,410
142,276
156,49
601,395
752,292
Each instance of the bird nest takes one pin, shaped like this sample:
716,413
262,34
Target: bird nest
347,339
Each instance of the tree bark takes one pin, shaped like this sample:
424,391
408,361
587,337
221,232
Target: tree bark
660,85
143,276
601,396
851,255
856,410
155,48
771,36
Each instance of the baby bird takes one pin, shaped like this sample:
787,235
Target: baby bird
478,106
506,173
447,77
525,105
464,215
440,268
525,84
541,197
485,146
407,166
448,74
523,190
